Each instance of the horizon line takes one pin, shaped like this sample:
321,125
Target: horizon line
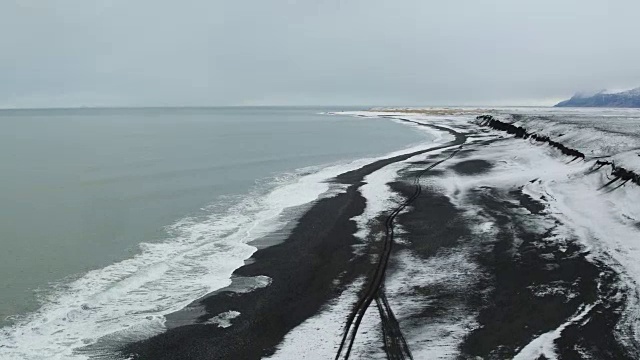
116,107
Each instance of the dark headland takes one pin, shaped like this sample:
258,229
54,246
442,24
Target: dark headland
624,99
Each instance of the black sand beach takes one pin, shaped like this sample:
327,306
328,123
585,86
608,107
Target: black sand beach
527,283
303,270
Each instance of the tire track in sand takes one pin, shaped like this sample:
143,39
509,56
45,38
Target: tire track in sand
395,344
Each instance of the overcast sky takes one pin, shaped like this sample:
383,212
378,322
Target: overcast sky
365,52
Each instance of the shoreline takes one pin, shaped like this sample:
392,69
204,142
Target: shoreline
509,249
325,232
484,263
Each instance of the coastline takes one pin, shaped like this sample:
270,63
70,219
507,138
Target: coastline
196,251
319,248
481,266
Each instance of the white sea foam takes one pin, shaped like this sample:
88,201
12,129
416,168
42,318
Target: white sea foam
128,299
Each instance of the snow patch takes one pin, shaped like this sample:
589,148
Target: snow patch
544,345
319,336
223,320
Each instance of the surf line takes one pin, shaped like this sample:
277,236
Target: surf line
395,343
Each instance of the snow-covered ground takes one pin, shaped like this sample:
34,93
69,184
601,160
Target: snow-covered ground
599,133
605,220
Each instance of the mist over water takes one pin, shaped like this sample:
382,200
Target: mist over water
81,189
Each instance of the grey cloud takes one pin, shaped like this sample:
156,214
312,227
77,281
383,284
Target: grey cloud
405,52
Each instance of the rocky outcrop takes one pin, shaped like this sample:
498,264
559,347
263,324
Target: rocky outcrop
618,172
520,132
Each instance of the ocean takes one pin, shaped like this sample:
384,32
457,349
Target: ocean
110,218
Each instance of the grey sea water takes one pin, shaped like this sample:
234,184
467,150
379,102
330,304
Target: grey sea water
80,189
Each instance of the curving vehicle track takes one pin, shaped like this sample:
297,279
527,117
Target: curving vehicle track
395,344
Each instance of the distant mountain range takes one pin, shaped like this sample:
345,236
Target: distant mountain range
623,99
